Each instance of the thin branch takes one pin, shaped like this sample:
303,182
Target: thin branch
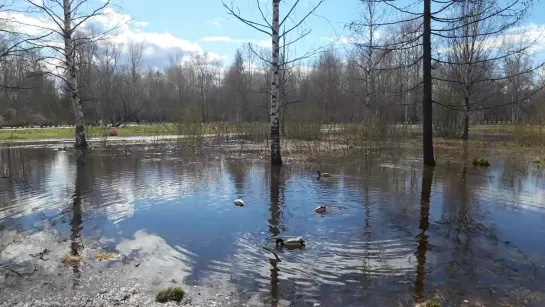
262,14
93,14
290,102
491,79
303,19
246,21
289,12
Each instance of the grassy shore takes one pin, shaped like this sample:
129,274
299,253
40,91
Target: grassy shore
348,134
66,133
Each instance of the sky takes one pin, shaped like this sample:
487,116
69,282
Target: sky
168,26
207,22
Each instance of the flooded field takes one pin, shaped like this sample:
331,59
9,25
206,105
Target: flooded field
394,233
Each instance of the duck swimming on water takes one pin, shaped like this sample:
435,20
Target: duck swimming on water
323,174
320,209
291,242
239,202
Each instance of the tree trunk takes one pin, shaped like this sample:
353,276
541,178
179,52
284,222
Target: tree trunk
427,107
71,79
276,158
203,115
465,135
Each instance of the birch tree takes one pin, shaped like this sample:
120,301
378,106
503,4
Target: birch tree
66,18
519,82
273,31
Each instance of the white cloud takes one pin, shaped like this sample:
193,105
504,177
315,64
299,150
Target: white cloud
341,40
265,43
120,29
228,39
140,23
216,22
530,37
218,39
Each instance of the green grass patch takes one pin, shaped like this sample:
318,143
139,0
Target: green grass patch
480,162
67,133
175,294
433,304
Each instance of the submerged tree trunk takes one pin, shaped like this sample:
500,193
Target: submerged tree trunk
71,79
427,107
276,158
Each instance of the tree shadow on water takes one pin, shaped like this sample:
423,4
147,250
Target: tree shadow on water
275,209
76,226
427,179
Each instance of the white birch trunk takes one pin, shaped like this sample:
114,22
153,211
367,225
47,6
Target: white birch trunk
276,158
71,79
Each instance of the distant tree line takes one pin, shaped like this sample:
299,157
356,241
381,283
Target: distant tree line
354,82
329,89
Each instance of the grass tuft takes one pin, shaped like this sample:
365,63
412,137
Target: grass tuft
175,294
433,304
106,257
480,162
71,260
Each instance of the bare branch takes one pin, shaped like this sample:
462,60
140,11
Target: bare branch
246,21
303,19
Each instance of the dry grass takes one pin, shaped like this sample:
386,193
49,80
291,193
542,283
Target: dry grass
106,257
71,260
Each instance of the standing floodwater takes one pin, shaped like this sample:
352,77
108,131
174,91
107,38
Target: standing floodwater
393,233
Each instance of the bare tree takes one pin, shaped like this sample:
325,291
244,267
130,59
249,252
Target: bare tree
476,32
108,55
273,30
65,25
446,22
131,92
518,70
177,71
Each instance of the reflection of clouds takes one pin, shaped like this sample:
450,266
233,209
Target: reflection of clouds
22,245
526,197
52,187
119,211
159,262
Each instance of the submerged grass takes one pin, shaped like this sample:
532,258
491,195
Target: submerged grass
175,294
308,142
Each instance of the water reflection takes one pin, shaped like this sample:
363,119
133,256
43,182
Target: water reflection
274,182
172,216
427,179
77,220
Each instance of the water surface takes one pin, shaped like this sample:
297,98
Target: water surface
395,233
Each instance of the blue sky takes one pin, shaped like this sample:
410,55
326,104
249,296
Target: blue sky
168,26
197,20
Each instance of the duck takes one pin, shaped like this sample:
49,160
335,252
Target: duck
239,202
323,174
291,242
320,209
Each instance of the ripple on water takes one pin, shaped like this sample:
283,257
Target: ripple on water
175,218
